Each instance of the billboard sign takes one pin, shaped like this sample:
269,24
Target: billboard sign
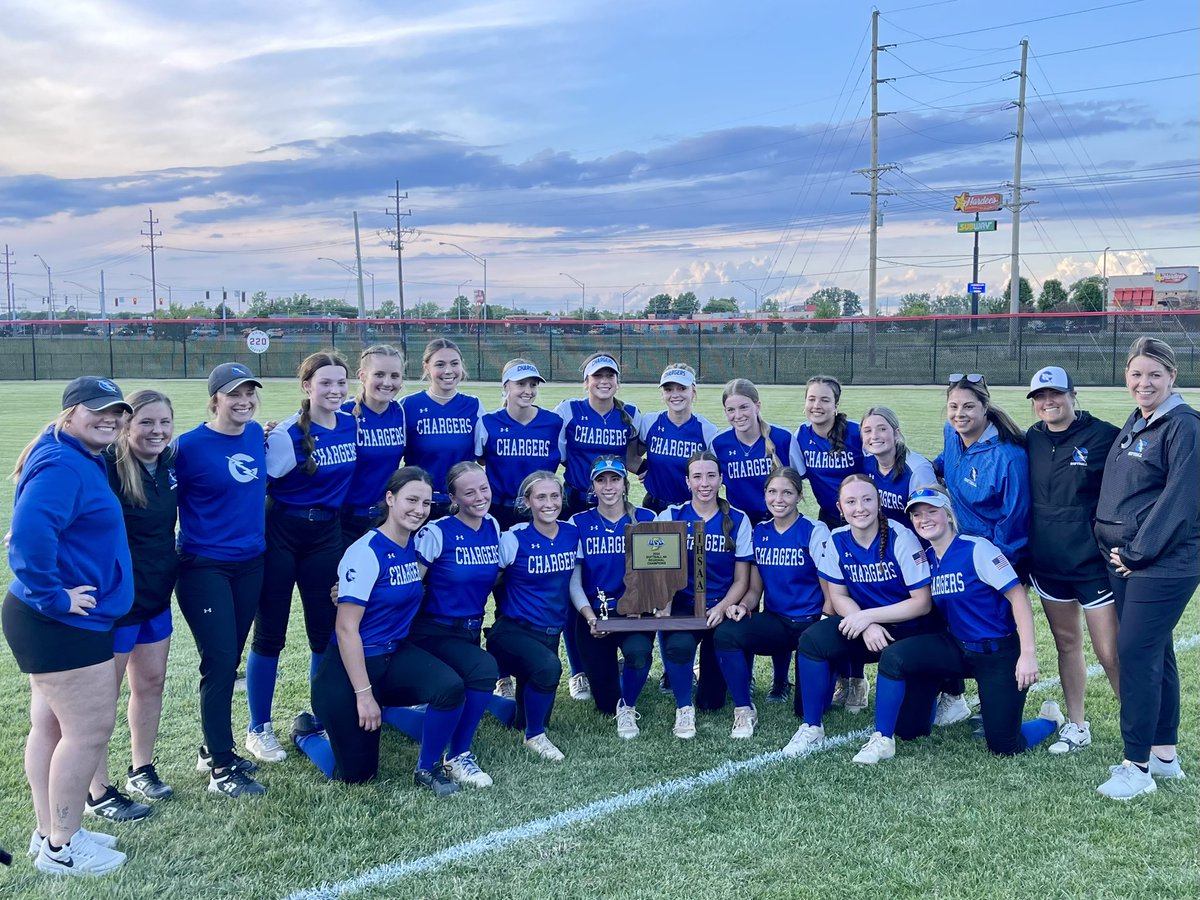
966,202
973,227
976,287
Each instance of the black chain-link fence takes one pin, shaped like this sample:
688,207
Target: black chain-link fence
894,351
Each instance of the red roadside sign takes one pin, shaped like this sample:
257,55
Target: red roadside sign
966,202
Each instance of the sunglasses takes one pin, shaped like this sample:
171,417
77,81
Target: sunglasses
925,494
972,377
1138,427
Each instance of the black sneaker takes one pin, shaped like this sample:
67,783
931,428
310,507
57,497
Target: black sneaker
437,780
116,807
780,693
204,762
144,781
234,783
303,725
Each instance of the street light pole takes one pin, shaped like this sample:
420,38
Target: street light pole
755,290
1105,276
459,293
49,286
582,297
153,299
482,262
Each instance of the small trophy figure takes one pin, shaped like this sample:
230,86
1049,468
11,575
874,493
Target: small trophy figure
604,605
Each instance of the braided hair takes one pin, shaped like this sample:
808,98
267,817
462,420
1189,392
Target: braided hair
841,422
884,529
744,387
722,504
308,369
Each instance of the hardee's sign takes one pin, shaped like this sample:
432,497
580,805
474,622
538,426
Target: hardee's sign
966,202
1171,277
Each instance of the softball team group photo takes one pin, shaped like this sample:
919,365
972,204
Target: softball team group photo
454,562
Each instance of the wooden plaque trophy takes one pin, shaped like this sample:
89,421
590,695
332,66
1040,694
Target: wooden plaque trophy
656,566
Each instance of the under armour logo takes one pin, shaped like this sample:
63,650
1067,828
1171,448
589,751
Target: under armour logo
207,609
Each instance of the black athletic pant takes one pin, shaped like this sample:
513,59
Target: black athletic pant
218,599
506,515
405,677
680,647
459,649
354,527
763,634
600,659
529,653
1148,610
923,662
299,554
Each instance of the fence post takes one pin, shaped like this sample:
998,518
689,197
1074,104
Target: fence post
112,369
1115,320
184,342
934,379
479,348
775,356
550,365
33,348
852,352
699,351
1020,346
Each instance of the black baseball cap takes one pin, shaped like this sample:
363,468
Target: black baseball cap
94,393
230,376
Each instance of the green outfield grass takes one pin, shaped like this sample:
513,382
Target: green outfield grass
944,819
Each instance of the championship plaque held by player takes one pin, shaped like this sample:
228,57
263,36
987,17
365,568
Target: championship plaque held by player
656,567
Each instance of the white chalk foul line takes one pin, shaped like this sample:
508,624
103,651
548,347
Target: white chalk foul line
498,840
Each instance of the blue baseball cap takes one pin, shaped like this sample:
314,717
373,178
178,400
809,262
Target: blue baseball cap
608,465
520,372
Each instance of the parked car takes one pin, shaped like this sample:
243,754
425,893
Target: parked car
205,331
274,333
92,330
125,331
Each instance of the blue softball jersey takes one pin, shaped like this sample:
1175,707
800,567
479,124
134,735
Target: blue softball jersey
825,468
384,578
668,447
381,438
897,485
222,488
788,563
335,451
587,434
440,435
537,574
746,467
462,563
721,554
601,553
871,579
968,587
511,450
67,531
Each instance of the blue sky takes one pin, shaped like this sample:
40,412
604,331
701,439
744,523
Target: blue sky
680,145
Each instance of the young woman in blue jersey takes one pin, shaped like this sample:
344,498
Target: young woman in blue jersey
518,439
594,425
787,549
381,436
986,470
989,637
538,558
371,663
671,436
441,422
600,569
1067,450
462,555
896,470
221,468
728,552
72,579
877,578
310,460
141,472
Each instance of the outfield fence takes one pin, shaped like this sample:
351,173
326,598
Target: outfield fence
892,350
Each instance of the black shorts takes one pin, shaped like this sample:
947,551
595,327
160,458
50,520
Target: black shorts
42,645
1090,594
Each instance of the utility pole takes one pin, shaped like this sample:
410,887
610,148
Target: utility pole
398,246
1014,278
362,300
103,302
152,234
8,291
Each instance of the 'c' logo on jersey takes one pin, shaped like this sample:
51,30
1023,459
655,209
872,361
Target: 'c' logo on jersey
240,469
350,575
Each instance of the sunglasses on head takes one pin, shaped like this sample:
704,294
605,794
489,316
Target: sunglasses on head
925,494
972,377
1138,427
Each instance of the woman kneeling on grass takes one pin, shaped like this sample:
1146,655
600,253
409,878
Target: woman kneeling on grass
990,639
370,661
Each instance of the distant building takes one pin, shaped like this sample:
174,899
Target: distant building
1166,288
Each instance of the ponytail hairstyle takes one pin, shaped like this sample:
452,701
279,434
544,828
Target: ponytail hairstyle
744,387
519,361
1010,432
377,350
308,368
522,503
634,449
949,507
608,457
722,503
884,530
129,471
1152,348
433,347
792,477
56,425
886,413
457,471
837,434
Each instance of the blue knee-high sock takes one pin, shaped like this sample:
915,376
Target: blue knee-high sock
439,725
474,707
537,710
681,681
1037,730
408,720
781,663
573,659
503,708
815,687
261,672
889,697
316,747
632,682
737,675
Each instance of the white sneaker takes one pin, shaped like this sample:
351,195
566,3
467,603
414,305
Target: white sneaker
80,856
581,688
877,749
506,688
744,720
841,690
96,837
1127,781
264,745
464,769
1160,769
543,747
627,716
857,692
951,708
805,738
1072,737
685,722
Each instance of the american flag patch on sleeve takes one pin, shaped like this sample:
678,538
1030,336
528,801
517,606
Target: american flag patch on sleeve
1000,562
919,558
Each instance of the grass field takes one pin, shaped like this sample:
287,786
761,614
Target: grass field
943,819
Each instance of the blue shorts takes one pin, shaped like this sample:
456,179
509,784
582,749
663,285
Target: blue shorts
151,631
